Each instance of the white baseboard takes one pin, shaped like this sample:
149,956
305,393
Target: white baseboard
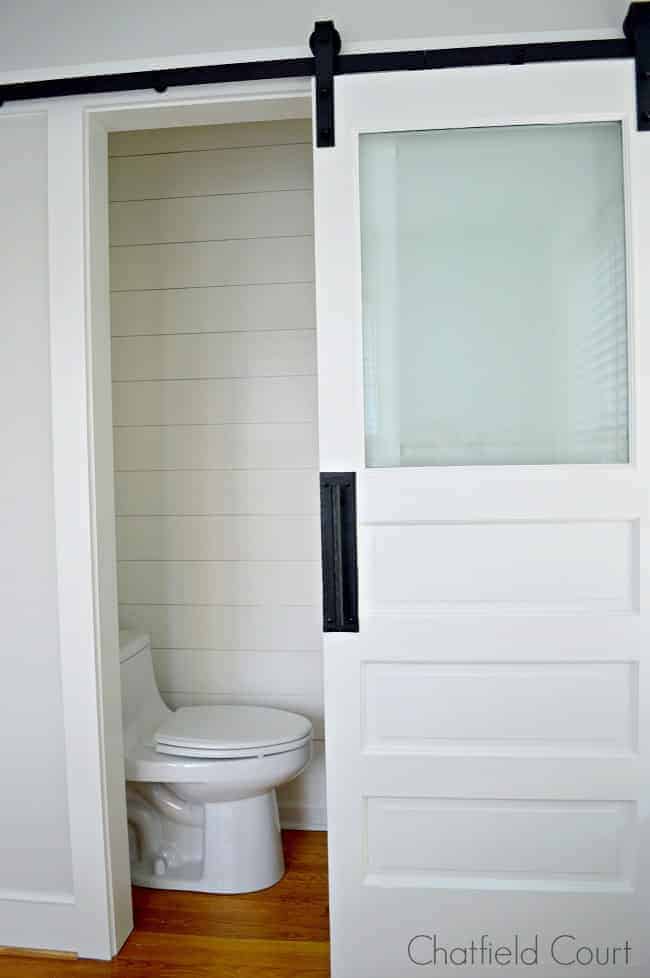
39,921
310,817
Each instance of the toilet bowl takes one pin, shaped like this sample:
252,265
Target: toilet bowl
201,784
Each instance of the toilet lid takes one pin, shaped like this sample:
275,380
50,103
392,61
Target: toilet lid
230,731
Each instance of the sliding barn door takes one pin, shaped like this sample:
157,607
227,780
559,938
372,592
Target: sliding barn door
482,243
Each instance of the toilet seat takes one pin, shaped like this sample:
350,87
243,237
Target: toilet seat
229,732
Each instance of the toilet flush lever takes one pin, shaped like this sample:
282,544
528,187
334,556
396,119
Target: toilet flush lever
338,522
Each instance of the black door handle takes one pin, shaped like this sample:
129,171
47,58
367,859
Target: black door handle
338,522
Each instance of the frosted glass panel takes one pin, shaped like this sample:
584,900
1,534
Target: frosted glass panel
494,296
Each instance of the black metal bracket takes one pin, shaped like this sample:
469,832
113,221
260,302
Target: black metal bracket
636,28
338,522
325,44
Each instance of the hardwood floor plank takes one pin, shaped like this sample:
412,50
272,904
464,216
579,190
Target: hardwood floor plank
295,909
181,958
227,956
28,952
282,932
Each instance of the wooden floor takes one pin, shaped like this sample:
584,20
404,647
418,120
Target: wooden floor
278,933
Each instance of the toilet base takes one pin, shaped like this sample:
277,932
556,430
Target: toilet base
241,851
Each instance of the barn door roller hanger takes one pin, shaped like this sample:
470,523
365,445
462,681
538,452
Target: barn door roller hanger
327,62
636,28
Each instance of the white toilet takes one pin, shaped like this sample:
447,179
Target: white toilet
201,783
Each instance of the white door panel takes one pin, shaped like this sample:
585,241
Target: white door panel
487,727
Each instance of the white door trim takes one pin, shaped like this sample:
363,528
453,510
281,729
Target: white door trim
83,462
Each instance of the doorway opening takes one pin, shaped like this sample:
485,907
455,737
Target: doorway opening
214,463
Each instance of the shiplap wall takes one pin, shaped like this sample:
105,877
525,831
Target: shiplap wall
214,402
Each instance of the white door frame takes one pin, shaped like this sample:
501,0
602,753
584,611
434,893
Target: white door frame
83,465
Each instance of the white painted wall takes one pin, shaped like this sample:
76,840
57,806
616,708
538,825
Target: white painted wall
35,861
38,33
214,405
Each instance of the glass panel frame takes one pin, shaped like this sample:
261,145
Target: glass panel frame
383,413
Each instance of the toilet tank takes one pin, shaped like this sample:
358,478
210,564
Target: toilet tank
143,708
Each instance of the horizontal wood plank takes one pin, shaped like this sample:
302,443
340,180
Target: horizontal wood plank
220,171
192,138
270,214
28,952
176,402
197,264
218,537
249,674
230,958
210,355
226,627
254,492
220,582
228,446
279,305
